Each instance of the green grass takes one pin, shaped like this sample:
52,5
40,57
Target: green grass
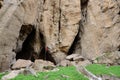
70,73
99,69
2,74
65,73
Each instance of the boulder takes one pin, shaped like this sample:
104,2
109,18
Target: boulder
78,58
70,57
12,74
20,63
41,65
64,63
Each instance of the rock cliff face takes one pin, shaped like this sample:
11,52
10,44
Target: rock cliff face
53,29
102,28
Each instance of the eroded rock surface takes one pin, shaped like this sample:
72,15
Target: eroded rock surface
41,65
52,30
12,16
101,27
21,64
110,58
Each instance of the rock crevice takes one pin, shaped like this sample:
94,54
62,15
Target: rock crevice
51,30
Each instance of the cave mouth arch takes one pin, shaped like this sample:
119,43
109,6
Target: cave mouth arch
27,51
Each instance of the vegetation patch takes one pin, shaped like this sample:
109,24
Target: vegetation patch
2,74
71,73
100,69
64,73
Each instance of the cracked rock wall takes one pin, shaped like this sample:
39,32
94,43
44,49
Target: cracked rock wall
12,16
102,28
86,27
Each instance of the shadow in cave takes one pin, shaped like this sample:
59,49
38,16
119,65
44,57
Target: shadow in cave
45,55
119,48
77,41
74,44
28,52
27,49
1,3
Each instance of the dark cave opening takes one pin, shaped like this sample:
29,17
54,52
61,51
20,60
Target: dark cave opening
76,43
119,13
28,52
45,55
119,48
27,49
84,2
1,3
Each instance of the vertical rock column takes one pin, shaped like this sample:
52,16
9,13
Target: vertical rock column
61,22
69,23
51,16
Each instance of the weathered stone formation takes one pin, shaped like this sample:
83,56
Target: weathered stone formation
101,27
53,29
61,22
13,16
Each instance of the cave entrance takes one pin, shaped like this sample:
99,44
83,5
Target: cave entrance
1,3
75,45
119,48
28,52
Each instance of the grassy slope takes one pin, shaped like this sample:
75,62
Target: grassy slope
70,73
65,73
99,69
2,74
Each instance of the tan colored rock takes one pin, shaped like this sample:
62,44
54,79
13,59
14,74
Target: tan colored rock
70,17
12,74
41,65
101,28
20,63
61,21
111,58
91,26
79,58
64,63
12,17
51,16
59,56
70,57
